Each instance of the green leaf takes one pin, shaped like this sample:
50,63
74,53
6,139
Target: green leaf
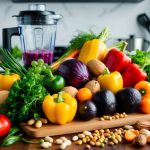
11,140
13,131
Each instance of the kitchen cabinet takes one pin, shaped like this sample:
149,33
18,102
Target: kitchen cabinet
133,1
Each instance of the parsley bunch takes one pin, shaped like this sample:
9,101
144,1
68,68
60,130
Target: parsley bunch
26,96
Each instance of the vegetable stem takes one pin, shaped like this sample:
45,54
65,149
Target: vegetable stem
59,98
106,71
105,34
8,61
51,75
124,45
7,71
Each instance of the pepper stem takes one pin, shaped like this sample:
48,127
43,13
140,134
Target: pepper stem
106,71
7,71
121,45
51,75
59,98
124,45
105,34
142,91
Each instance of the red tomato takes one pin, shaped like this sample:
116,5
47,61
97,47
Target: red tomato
4,125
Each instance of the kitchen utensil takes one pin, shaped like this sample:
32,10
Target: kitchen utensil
80,126
37,31
136,43
144,21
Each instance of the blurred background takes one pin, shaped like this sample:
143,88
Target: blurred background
120,17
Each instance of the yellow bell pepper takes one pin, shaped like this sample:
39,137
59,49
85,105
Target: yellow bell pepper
111,81
95,48
7,79
59,108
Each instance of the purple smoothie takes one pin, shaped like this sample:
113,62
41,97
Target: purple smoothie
31,55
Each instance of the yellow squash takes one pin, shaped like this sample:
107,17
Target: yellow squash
111,81
95,48
59,108
7,79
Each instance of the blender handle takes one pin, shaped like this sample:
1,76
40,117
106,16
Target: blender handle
7,34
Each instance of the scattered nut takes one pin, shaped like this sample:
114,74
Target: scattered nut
79,142
102,119
92,143
115,141
145,132
75,138
63,146
142,124
67,142
30,122
140,140
38,124
81,136
97,144
63,138
84,140
59,141
48,139
46,145
111,143
88,147
102,145
44,121
87,133
128,127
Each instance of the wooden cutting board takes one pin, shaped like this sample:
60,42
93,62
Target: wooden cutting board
80,126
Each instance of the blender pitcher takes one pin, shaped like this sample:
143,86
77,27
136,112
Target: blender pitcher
37,31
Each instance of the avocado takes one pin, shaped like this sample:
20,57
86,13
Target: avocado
105,102
87,110
128,100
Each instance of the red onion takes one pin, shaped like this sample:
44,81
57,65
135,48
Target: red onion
75,72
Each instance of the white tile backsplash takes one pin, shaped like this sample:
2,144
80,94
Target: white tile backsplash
119,17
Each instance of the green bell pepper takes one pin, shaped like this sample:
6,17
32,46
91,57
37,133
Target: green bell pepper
54,83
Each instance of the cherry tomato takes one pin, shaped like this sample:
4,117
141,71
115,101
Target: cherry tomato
4,125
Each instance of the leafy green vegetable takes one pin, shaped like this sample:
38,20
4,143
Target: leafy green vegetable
16,52
13,131
26,96
142,58
11,140
8,61
14,136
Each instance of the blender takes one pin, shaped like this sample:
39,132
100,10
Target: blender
37,31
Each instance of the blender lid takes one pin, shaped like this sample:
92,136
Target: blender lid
37,15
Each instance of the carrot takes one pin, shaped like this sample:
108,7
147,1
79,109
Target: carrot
131,134
72,54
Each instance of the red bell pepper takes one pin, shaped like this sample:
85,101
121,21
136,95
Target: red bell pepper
116,60
132,75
